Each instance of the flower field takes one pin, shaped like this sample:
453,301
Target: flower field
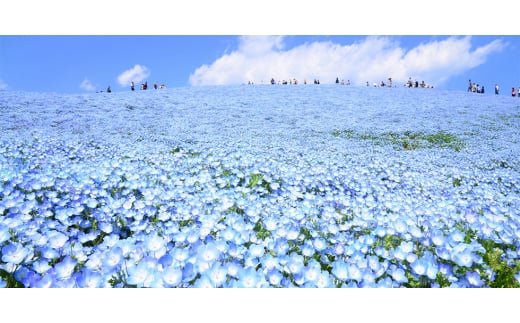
260,186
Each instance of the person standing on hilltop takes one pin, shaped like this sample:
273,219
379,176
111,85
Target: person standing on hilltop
496,89
132,86
513,93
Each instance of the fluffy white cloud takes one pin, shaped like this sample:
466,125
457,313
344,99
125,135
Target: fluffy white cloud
3,85
135,74
374,59
87,85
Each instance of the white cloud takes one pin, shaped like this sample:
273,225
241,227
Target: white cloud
87,86
3,85
135,74
374,59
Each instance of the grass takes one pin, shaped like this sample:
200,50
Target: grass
407,140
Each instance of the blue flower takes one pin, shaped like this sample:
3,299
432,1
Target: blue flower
154,243
463,256
217,274
56,239
248,278
319,244
139,274
45,282
65,268
324,280
203,282
172,276
14,253
340,270
399,276
307,249
354,272
474,279
41,266
312,271
113,257
457,236
269,262
295,264
274,277
208,253
90,279
256,250
420,266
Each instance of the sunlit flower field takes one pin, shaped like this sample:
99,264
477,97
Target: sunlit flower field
260,186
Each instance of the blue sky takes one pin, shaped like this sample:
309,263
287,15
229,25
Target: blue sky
173,50
91,63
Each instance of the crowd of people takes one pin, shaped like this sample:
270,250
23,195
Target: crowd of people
144,86
476,88
389,83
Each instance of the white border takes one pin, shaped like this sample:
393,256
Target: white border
238,17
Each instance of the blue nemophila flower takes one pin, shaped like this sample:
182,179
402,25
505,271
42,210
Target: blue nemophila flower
420,266
256,250
44,282
90,279
217,274
41,266
140,274
463,255
154,243
312,271
172,276
400,226
92,203
438,238
248,278
56,239
295,263
319,244
474,279
204,282
14,253
113,257
208,253
340,270
65,268
398,275
274,277
456,236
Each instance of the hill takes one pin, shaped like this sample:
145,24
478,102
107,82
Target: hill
245,186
